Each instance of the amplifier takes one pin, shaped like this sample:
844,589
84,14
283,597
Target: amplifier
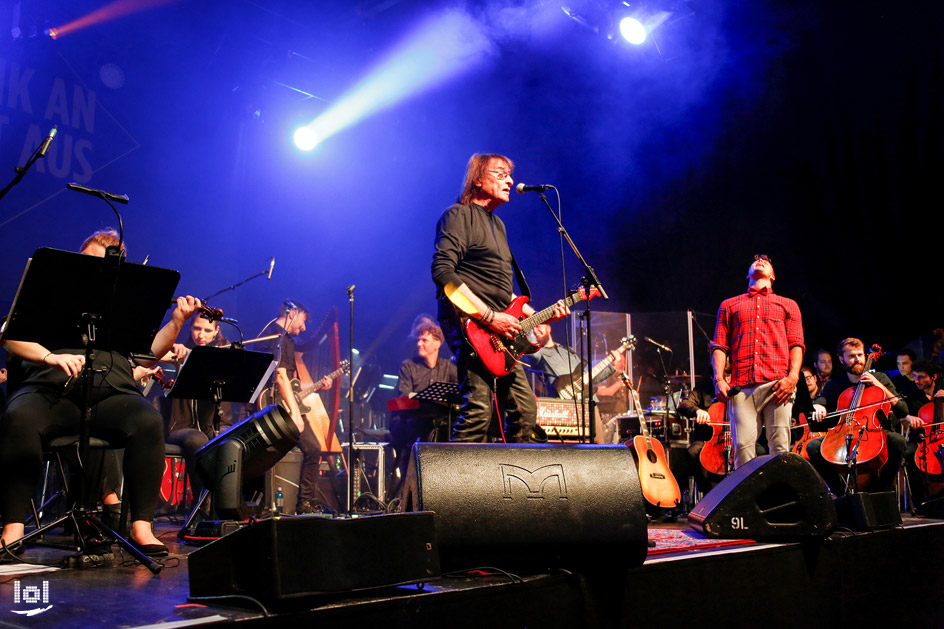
563,418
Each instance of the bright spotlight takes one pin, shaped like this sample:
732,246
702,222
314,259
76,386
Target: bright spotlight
305,138
632,30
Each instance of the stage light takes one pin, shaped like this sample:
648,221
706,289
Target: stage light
305,138
632,30
445,45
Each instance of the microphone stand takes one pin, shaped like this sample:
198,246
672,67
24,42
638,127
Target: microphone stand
236,285
354,465
588,281
22,170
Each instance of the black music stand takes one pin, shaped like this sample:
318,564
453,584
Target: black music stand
100,304
220,374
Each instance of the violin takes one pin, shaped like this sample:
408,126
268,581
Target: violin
716,457
930,454
859,439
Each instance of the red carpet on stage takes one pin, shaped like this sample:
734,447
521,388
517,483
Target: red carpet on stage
676,540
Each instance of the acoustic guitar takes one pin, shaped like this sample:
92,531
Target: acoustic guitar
658,484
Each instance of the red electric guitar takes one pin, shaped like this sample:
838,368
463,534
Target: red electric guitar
499,354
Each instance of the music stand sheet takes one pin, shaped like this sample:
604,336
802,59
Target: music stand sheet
438,392
59,288
243,374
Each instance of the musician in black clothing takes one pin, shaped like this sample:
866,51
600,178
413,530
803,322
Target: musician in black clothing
47,403
927,381
851,354
289,324
190,424
474,272
422,424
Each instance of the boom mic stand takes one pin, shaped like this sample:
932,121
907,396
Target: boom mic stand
588,281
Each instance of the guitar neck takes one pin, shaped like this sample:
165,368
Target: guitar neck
312,388
540,317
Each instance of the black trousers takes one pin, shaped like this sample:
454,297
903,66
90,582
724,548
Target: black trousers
887,475
35,415
311,461
477,386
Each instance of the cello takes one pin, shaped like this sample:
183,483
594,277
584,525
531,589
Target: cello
929,457
856,444
715,456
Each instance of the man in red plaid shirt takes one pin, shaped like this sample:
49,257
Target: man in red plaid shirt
763,334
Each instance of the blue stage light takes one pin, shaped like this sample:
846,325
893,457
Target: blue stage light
444,46
632,30
305,138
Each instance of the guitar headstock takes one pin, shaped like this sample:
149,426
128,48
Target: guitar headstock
627,343
583,293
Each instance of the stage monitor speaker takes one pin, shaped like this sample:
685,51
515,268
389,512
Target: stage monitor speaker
779,496
535,505
869,511
286,558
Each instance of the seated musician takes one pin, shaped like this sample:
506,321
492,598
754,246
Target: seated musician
555,361
291,322
852,361
190,425
48,403
905,380
927,382
430,421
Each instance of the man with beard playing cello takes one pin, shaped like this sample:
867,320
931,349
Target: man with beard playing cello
852,360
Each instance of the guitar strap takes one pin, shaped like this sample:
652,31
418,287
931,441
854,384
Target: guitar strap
519,277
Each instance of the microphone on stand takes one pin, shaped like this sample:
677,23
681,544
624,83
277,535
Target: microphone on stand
664,348
523,187
271,266
45,145
350,289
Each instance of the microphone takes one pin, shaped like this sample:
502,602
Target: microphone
45,145
350,289
289,305
271,266
523,187
664,348
733,391
101,194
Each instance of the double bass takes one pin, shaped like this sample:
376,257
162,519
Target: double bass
858,439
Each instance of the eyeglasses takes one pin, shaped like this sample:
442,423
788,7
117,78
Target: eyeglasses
809,378
762,256
500,174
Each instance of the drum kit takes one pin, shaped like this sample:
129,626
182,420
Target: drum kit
661,417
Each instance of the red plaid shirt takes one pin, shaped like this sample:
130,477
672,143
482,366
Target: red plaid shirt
757,330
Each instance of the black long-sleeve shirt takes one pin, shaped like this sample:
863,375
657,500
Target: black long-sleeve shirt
472,248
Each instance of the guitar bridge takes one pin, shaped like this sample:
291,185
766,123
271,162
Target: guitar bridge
497,344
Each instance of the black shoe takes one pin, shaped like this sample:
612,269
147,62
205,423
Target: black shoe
151,550
315,507
10,555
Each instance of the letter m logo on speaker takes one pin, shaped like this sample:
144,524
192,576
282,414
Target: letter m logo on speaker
534,483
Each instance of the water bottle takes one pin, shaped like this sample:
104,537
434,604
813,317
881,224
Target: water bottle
279,501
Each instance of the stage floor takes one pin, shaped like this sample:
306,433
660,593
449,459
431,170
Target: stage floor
685,581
